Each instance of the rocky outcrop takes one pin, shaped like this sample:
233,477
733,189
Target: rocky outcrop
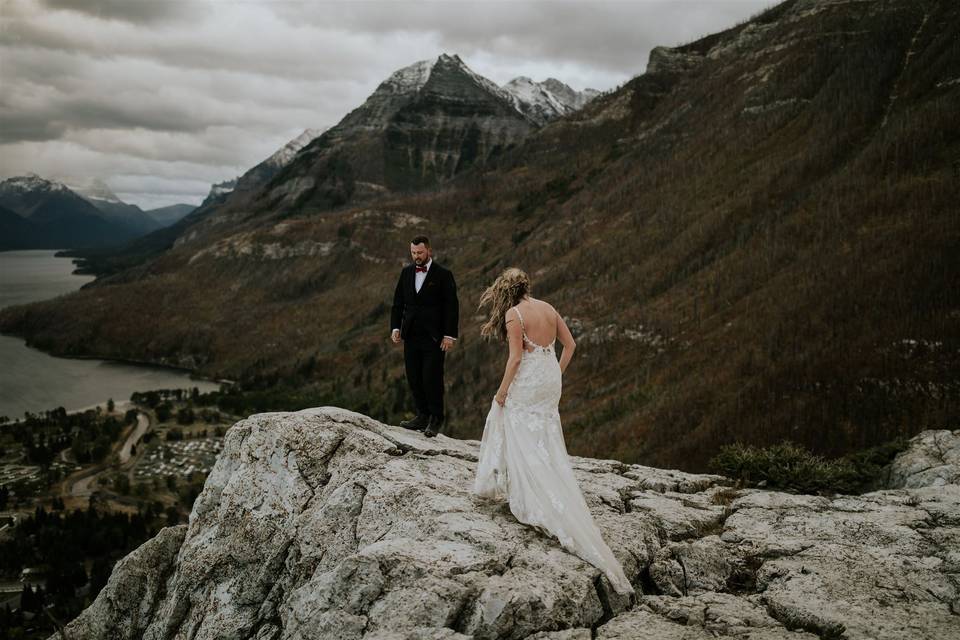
932,461
324,523
672,60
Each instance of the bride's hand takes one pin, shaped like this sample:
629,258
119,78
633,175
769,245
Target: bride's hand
501,399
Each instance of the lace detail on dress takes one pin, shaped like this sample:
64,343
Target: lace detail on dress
537,348
523,457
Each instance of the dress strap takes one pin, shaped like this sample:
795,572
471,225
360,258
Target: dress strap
523,330
519,315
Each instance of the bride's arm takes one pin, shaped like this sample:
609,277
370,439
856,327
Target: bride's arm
566,339
515,340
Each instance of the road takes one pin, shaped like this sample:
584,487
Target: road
143,423
80,484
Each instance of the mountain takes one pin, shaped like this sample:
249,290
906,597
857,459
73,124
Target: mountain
28,193
547,100
57,216
170,214
251,181
423,125
755,240
16,232
106,262
98,193
571,97
261,173
324,523
284,155
219,192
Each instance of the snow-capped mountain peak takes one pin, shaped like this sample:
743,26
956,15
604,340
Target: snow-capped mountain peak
537,96
544,101
410,78
285,154
486,83
567,94
31,182
90,188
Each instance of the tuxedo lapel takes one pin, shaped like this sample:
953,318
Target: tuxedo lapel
412,281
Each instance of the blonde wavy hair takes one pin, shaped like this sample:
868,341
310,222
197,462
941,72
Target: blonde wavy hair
506,291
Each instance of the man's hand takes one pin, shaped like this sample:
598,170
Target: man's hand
447,343
395,336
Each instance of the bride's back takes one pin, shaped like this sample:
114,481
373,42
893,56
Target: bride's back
539,321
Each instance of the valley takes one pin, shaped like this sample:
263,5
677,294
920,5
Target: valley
753,240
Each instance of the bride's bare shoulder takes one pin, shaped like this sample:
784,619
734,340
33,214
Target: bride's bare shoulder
549,306
543,305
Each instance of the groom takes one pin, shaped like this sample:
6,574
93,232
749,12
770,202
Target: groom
425,317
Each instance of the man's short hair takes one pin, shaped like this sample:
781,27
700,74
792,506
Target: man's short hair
424,240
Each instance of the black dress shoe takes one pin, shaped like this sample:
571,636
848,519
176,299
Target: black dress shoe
433,426
419,423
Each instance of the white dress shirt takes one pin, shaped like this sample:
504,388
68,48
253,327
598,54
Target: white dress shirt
420,276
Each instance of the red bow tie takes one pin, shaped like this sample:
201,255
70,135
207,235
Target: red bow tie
424,269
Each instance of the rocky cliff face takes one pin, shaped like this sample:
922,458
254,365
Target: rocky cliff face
262,173
324,523
423,124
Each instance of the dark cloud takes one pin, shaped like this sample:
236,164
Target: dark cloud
613,36
51,122
142,12
20,127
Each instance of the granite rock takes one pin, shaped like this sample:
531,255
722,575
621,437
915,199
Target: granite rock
324,523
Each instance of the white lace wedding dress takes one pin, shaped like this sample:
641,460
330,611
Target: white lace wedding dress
523,457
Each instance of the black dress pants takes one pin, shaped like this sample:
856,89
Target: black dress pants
424,363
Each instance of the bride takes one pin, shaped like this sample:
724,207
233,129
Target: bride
522,453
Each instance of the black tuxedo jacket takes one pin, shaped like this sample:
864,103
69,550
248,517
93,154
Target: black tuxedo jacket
434,311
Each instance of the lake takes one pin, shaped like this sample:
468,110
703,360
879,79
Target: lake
31,380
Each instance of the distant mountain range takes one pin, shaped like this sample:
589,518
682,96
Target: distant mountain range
39,213
757,239
423,125
547,100
85,217
170,214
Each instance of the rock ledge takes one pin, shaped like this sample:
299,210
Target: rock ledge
324,523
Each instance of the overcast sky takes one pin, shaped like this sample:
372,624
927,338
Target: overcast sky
162,98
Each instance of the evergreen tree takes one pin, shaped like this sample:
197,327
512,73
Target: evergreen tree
99,574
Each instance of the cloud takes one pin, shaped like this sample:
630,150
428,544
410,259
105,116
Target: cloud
599,36
134,11
152,95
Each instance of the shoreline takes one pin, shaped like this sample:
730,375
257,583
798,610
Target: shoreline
117,403
194,374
